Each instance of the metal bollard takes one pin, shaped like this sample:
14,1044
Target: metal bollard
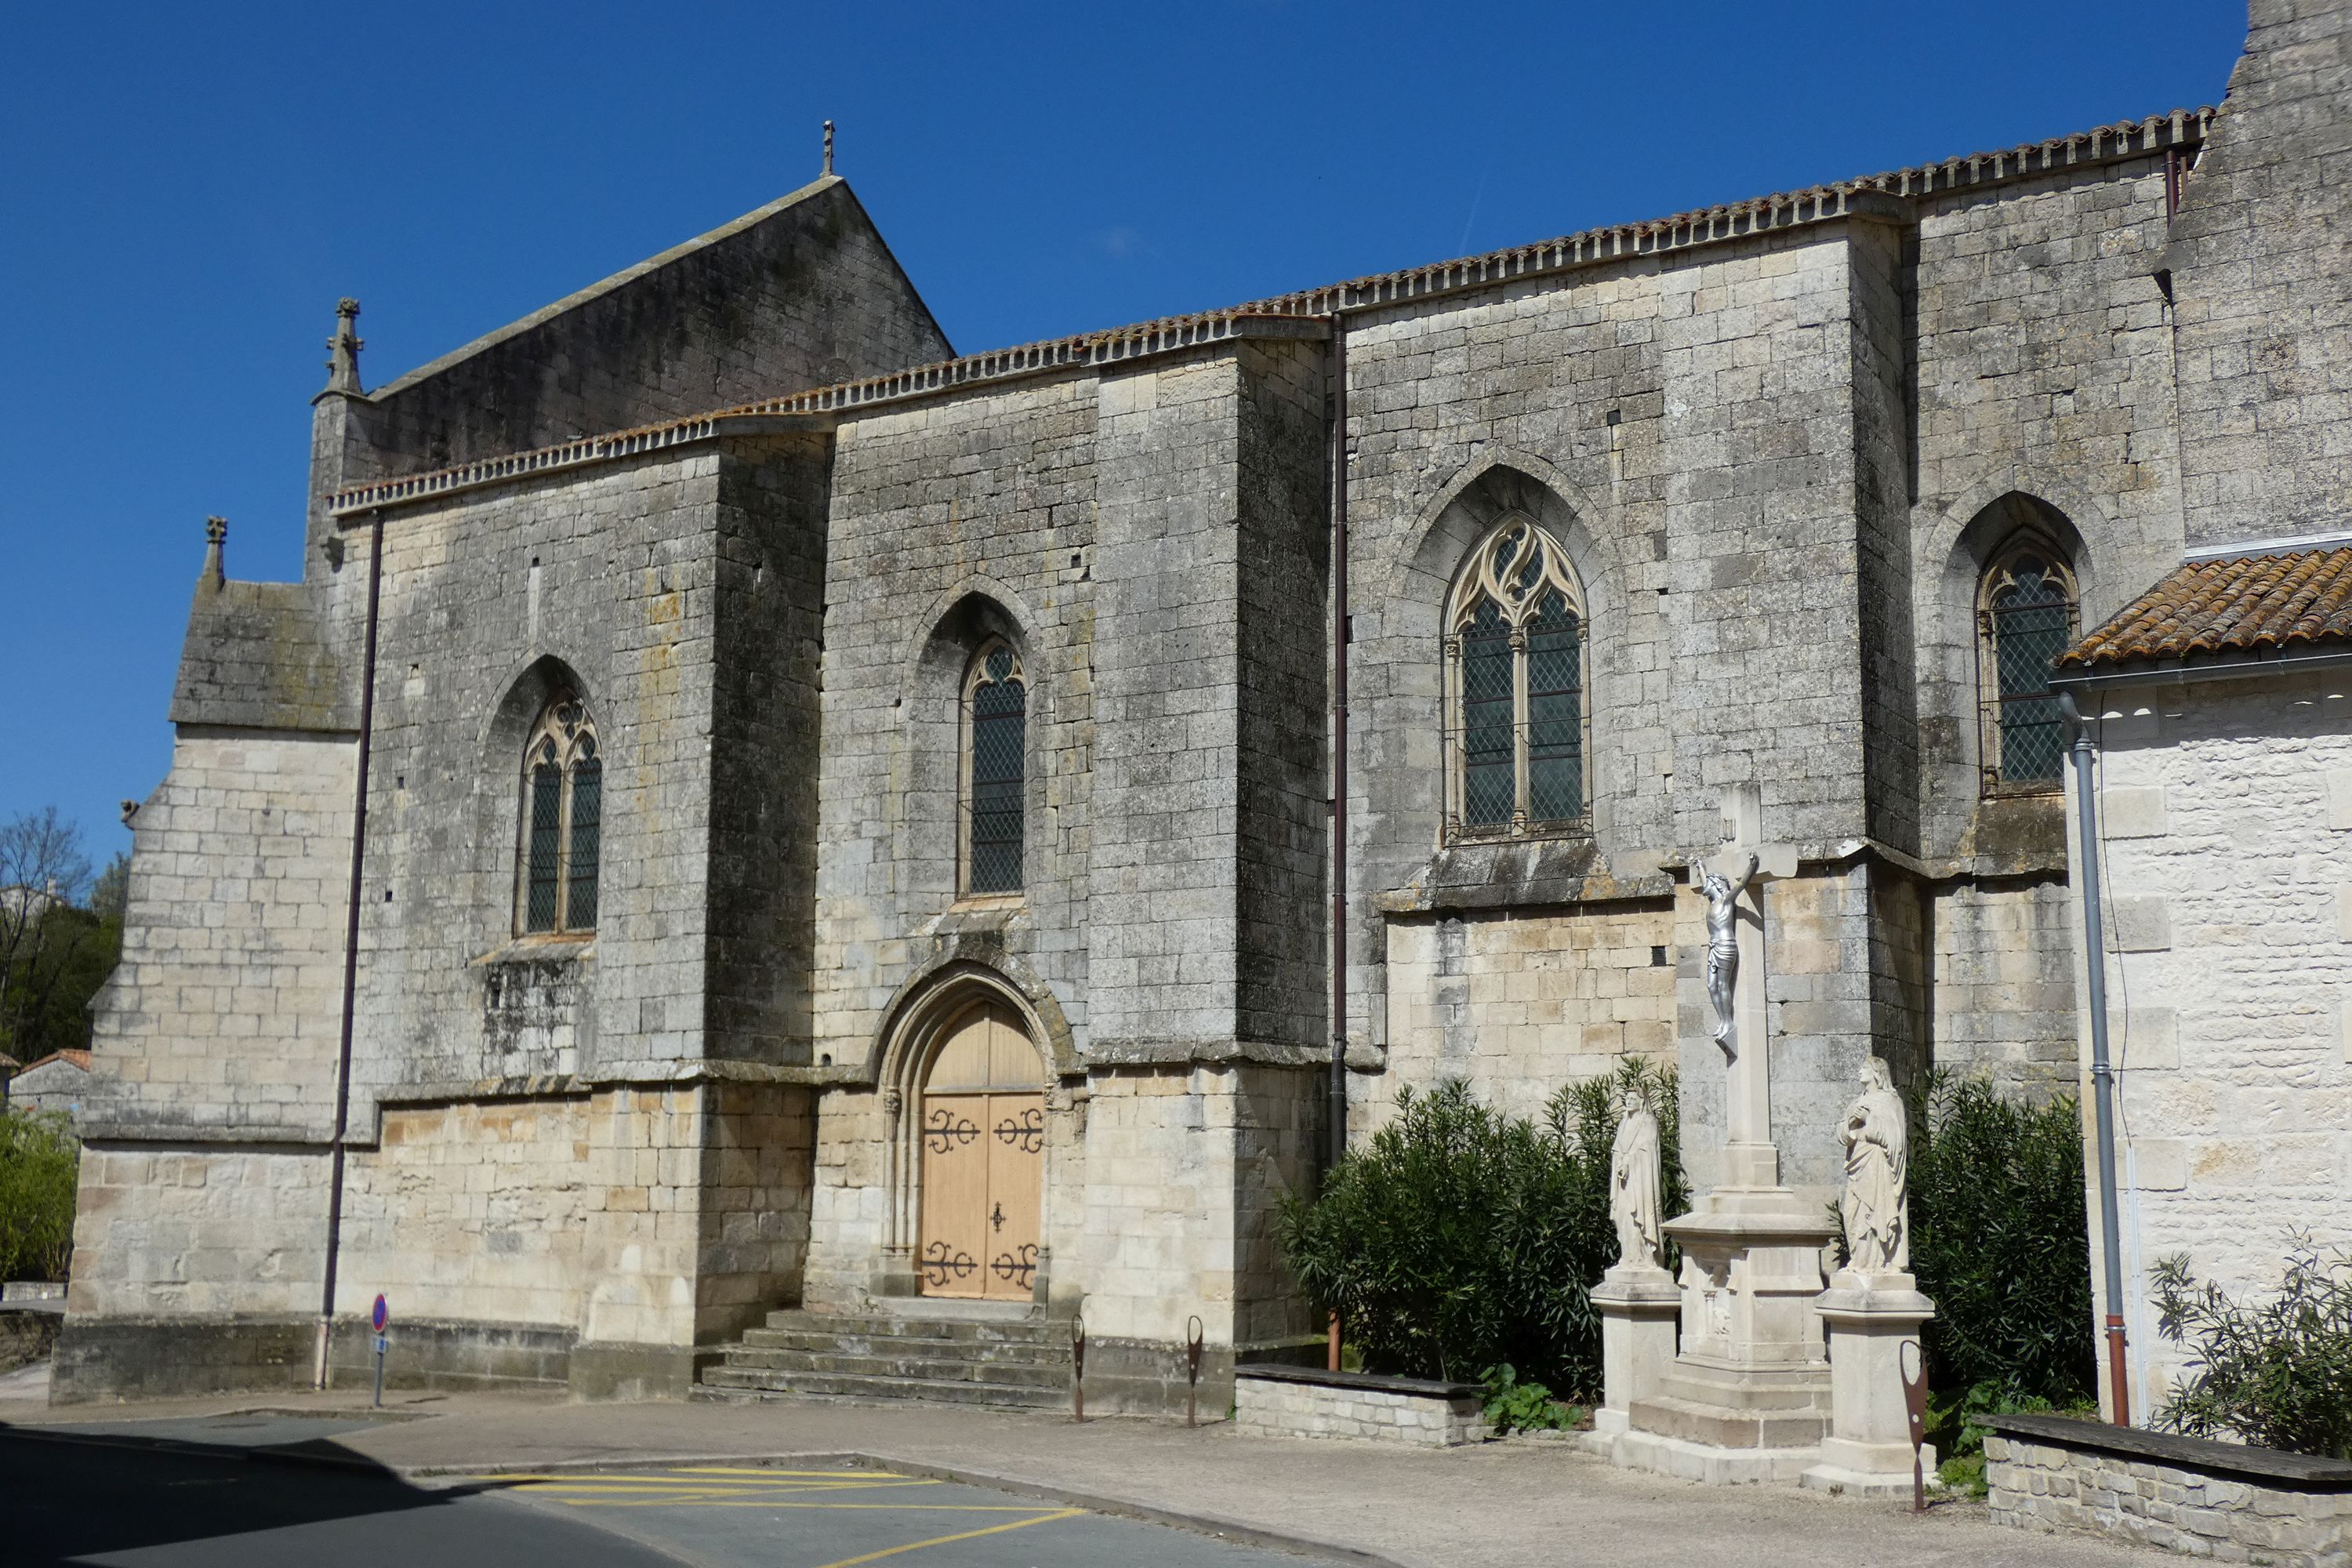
1077,1369
1194,1333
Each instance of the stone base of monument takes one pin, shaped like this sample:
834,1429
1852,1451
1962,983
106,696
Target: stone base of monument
1867,1451
1747,1399
1638,1303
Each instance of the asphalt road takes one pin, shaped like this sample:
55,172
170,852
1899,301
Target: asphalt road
154,1508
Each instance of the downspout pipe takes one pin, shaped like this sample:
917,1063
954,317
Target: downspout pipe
2103,1076
1336,1111
1338,1088
351,954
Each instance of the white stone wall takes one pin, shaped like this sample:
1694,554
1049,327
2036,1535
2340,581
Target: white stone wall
1519,1005
226,1009
2226,814
1281,1408
201,1232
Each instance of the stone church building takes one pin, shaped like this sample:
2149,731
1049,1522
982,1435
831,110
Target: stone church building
747,810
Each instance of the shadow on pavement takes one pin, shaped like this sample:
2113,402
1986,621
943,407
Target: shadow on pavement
154,1504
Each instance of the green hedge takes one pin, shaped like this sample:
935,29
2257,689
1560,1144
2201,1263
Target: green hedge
39,1158
2001,1241
1458,1240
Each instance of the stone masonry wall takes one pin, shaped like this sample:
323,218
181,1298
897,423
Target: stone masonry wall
2257,255
949,524
2002,977
199,1232
1288,1409
224,1015
1520,1004
606,581
2042,367
2045,1486
769,634
1282,633
2227,813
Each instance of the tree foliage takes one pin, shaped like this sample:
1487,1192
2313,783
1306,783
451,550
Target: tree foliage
39,1158
1458,1239
2001,1241
2276,1370
55,950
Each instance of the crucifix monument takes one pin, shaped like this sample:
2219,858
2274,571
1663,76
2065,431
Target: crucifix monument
1747,1396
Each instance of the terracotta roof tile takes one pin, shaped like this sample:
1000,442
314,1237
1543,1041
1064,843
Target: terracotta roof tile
2243,605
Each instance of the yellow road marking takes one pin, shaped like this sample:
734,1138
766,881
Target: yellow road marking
717,1500
720,1484
660,1475
950,1539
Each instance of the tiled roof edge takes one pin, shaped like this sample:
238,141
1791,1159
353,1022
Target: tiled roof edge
1873,195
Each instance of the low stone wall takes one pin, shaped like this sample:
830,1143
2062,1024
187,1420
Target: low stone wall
2190,1495
1299,1401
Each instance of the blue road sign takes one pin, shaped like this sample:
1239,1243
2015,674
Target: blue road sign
380,1315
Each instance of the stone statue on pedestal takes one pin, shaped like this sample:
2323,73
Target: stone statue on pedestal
1723,947
1634,1188
1877,1134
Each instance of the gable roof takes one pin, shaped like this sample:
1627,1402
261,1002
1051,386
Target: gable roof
2251,604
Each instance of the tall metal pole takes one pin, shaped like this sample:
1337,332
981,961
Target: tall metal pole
2103,1077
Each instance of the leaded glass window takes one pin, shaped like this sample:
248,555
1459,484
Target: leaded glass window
2025,618
996,742
562,820
1515,656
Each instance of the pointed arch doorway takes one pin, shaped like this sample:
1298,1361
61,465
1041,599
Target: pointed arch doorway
981,1127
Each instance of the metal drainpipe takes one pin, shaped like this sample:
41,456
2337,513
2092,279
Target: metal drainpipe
351,954
1339,1084
1337,1110
2103,1077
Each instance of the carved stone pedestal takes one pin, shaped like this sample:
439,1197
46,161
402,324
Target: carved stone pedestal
1868,1450
1638,1303
1748,1397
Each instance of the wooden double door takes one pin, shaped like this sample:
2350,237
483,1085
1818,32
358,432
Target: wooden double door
984,1141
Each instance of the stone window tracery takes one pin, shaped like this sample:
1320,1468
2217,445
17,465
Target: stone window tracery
1517,763
995,747
562,820
2026,605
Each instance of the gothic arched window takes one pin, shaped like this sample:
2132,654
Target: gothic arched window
995,743
1515,658
562,801
2025,617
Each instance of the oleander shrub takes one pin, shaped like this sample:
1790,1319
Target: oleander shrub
39,1158
2001,1241
1457,1240
2273,1370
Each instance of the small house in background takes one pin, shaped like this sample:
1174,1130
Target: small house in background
56,1082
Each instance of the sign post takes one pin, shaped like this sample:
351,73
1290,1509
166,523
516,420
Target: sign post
379,1316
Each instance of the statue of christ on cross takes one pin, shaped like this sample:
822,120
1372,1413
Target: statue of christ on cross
1723,948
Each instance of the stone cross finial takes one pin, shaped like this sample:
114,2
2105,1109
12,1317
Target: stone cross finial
343,350
828,146
215,535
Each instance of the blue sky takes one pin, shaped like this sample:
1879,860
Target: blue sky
187,190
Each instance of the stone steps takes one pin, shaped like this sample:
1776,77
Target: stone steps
739,1384
933,1368
1008,1363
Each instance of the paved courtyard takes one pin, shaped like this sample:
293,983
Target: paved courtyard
721,1485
